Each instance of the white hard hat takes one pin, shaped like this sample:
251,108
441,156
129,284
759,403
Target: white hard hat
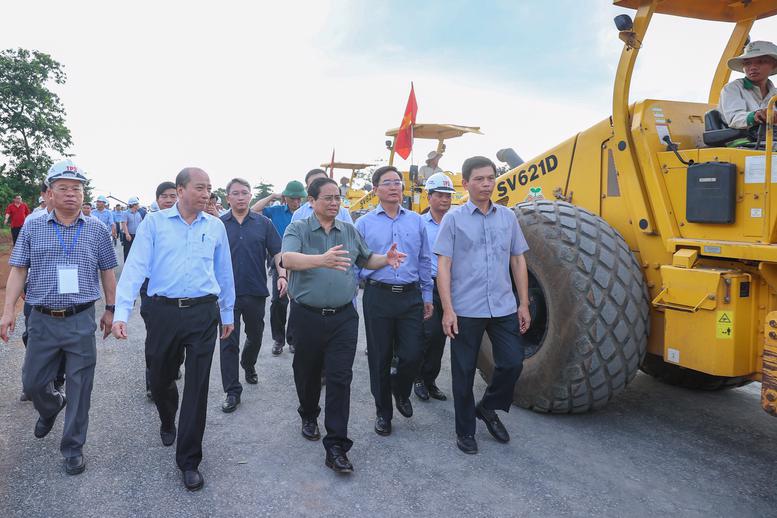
133,201
65,170
102,199
439,182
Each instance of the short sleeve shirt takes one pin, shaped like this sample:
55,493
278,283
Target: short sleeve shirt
17,214
480,246
324,287
280,215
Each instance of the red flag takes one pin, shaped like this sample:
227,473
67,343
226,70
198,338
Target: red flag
332,165
403,143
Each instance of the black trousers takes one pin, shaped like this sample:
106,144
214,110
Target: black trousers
251,309
171,330
394,325
328,344
127,244
15,233
278,310
434,343
507,345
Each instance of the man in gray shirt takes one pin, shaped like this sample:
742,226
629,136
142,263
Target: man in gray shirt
318,253
478,245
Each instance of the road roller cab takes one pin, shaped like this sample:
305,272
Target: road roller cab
652,243
414,196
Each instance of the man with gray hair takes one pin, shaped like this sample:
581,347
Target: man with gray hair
64,253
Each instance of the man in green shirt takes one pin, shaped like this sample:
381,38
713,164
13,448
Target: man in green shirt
318,254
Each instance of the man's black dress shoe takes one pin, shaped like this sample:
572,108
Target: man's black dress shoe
168,436
149,395
230,403
419,387
193,480
338,461
494,425
23,397
467,444
75,465
403,405
436,393
251,376
310,429
277,348
44,426
59,386
382,426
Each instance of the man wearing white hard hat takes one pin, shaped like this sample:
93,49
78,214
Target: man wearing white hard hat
431,167
129,226
743,101
104,214
63,256
439,189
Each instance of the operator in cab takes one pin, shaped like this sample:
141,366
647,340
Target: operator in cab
743,101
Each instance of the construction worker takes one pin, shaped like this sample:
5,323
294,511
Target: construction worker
130,223
432,167
319,252
439,188
396,301
743,101
478,246
280,215
104,214
66,255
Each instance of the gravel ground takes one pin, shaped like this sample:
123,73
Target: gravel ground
655,450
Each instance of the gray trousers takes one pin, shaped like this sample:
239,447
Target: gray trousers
50,339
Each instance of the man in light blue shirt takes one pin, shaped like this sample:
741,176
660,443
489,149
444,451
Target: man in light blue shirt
185,255
396,301
104,214
305,210
129,224
439,188
479,245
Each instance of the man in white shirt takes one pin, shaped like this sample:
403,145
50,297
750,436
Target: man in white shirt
743,101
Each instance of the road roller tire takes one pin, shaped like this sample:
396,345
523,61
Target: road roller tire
589,306
675,375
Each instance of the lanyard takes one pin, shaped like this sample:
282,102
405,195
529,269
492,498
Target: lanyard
67,250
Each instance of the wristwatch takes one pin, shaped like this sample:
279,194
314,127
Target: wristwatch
110,307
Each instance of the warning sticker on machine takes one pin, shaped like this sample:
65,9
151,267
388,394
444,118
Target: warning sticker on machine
724,327
755,169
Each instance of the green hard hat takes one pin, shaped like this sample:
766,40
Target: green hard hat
294,189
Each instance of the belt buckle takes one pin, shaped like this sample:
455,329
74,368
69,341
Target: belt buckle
397,289
327,311
58,313
182,304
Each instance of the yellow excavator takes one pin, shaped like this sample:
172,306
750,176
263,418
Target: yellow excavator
653,239
414,197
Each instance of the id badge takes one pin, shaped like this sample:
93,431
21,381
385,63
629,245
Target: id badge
67,275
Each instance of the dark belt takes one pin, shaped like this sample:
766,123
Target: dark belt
324,312
393,288
185,302
62,313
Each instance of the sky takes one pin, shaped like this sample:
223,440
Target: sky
266,90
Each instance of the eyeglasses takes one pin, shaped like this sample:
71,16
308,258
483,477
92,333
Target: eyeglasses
391,183
330,198
72,188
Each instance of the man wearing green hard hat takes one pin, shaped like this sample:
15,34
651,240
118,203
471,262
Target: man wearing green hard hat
280,215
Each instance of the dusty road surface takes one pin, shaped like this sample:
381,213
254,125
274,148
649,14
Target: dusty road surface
654,451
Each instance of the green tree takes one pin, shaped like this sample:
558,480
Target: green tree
32,121
263,190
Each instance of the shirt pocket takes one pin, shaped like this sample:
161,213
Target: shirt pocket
205,248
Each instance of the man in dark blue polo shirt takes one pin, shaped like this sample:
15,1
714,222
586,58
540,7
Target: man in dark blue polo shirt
252,238
280,215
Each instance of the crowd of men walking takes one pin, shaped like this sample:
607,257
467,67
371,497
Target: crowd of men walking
202,271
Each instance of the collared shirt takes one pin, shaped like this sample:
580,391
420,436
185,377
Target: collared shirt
37,213
425,171
740,99
408,231
180,260
105,216
17,214
250,242
306,210
480,246
280,215
118,216
39,248
133,220
324,287
432,229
